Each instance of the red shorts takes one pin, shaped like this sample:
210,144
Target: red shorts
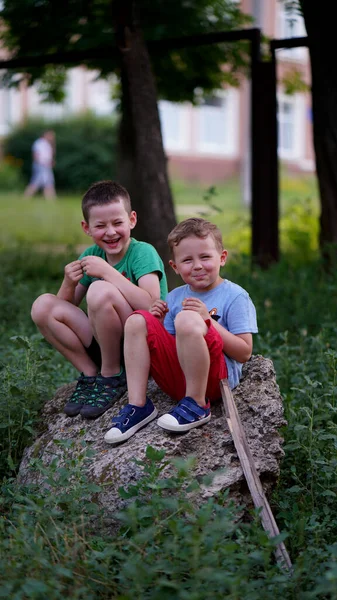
165,367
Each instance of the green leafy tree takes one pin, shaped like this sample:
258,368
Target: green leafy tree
39,27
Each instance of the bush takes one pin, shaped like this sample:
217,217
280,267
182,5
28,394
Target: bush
85,149
10,174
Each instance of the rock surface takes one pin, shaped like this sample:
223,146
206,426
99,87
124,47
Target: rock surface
260,407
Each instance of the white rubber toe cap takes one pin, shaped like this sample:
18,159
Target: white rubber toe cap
170,423
114,435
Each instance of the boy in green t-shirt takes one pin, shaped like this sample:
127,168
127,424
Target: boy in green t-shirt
117,275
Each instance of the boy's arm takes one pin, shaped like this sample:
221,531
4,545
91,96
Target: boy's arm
237,346
71,290
140,297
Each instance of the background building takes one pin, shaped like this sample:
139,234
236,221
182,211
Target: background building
209,142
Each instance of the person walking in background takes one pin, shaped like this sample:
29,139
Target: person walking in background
43,161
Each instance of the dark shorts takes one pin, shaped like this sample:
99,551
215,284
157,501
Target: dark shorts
94,352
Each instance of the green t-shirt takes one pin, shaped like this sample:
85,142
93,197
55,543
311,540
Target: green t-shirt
140,259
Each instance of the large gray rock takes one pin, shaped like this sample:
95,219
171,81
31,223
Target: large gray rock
260,407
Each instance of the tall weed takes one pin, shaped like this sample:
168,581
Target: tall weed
161,545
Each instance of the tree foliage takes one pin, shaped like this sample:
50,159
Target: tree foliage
123,28
35,27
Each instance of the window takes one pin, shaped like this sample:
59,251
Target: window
291,126
258,12
290,25
4,111
13,101
216,124
100,95
45,110
174,125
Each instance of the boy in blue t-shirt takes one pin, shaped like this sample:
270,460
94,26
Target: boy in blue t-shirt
118,275
201,334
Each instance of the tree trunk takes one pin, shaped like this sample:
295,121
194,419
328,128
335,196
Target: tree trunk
142,164
321,33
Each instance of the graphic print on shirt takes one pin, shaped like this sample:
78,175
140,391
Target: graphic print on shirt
213,314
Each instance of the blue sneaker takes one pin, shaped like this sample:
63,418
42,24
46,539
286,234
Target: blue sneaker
186,415
129,420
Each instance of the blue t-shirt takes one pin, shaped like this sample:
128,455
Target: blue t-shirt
227,303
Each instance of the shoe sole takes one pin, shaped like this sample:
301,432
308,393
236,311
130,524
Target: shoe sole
73,413
122,437
169,426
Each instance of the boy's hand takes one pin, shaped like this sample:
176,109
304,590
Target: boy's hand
94,266
196,305
73,273
159,309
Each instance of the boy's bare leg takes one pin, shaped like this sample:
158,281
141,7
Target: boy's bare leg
67,329
193,353
108,311
140,411
137,359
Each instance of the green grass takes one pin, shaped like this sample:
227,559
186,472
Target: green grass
35,221
45,546
57,224
167,548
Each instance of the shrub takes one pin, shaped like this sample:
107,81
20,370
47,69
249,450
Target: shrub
85,149
10,174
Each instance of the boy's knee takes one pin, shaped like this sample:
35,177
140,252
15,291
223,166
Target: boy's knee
189,322
100,293
41,307
135,324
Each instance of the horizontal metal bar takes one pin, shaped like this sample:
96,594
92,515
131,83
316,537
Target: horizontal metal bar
295,42
78,56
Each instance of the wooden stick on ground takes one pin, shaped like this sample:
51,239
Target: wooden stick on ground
251,474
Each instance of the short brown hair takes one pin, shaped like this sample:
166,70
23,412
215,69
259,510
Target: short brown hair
195,226
104,192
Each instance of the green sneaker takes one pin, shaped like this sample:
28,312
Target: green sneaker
83,391
106,392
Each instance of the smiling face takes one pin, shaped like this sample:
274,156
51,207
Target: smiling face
110,227
198,261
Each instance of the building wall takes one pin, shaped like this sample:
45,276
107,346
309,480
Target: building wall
83,92
294,112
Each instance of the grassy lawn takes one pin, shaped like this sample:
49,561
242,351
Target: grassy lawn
44,552
57,224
